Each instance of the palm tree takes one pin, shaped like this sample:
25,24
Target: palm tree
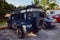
46,4
52,6
36,2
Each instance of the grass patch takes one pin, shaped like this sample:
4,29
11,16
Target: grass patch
2,23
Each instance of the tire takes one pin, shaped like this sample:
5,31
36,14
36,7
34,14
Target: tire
39,23
46,26
35,31
20,33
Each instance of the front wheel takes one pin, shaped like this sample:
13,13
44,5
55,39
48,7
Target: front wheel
20,33
39,23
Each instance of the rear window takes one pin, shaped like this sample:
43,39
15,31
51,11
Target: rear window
35,14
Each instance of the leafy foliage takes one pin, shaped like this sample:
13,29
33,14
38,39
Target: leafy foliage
36,2
5,7
52,5
45,3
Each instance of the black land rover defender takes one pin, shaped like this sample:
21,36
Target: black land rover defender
26,20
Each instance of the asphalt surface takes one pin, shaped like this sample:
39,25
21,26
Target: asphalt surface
48,34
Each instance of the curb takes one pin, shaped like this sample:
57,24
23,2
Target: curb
3,27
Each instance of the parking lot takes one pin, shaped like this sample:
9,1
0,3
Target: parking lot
48,34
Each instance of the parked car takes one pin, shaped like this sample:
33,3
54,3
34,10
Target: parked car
26,20
49,22
57,17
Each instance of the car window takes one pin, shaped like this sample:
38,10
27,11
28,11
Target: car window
21,16
14,17
35,14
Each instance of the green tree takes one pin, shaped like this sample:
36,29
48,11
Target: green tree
5,7
20,6
36,2
46,4
52,5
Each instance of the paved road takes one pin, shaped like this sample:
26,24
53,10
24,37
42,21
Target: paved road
50,34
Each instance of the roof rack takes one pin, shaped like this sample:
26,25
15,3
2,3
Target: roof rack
28,8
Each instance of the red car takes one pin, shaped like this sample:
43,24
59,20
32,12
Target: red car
57,17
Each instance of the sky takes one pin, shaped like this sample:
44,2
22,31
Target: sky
23,2
58,2
20,2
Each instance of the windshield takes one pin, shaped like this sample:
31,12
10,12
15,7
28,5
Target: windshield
18,17
25,16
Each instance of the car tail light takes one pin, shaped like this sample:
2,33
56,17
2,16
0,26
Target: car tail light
54,20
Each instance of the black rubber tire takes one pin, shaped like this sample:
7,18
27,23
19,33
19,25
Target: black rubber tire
39,23
46,26
35,31
20,33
